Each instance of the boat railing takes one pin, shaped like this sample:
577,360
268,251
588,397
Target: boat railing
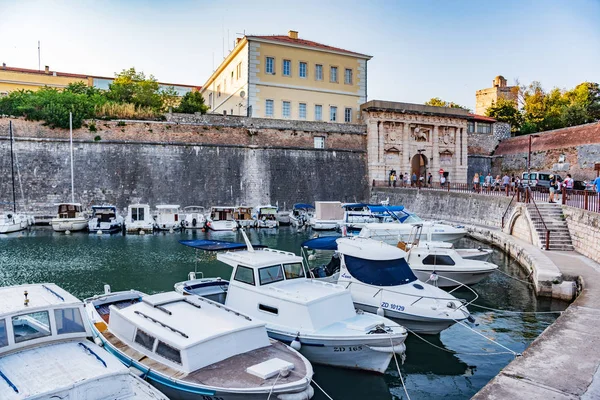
141,314
8,382
90,351
53,292
219,305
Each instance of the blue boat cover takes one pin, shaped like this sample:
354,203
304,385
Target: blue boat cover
322,243
383,209
303,206
217,245
380,272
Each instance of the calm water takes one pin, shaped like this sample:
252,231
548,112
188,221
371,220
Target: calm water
82,263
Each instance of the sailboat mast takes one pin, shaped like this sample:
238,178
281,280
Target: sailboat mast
71,134
12,167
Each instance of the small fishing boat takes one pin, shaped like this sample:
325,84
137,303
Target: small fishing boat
11,222
328,215
283,218
70,217
301,214
243,217
45,352
105,219
194,348
478,253
381,282
193,217
221,219
317,318
167,217
266,217
139,219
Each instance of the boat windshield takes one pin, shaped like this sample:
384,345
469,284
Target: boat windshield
380,272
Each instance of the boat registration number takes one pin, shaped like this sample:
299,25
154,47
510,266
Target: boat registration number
392,306
349,348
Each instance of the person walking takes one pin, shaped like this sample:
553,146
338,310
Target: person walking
414,179
443,181
597,188
569,183
394,179
429,179
552,189
481,181
475,181
407,179
488,181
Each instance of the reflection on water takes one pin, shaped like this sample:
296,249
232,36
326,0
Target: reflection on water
456,369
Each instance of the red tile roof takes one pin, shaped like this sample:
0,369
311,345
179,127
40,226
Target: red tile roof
481,118
306,43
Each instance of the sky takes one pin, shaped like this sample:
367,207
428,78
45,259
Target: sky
421,49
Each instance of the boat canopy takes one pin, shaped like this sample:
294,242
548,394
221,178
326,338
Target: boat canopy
380,272
322,243
217,245
303,206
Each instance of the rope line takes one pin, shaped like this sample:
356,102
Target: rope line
516,312
456,352
491,340
274,383
398,368
321,389
515,278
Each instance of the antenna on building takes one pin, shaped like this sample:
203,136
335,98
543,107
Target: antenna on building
228,41
223,35
39,58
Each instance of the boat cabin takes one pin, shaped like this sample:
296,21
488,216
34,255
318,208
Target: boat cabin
38,314
272,285
138,212
242,213
104,213
69,210
222,213
266,213
185,333
168,212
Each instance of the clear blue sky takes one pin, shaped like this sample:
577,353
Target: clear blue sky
420,49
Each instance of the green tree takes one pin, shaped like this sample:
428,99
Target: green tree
192,102
505,110
131,86
169,98
437,102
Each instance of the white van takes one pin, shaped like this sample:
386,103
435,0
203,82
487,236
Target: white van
538,179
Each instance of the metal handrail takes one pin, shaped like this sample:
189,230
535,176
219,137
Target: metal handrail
94,354
547,244
53,292
508,207
141,314
12,385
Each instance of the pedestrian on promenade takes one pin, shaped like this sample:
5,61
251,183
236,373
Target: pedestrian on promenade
414,179
488,181
429,179
475,181
552,189
390,178
421,181
407,179
597,186
481,181
512,183
394,179
497,183
569,183
443,181
506,182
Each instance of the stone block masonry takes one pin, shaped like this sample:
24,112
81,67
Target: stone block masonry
584,227
181,164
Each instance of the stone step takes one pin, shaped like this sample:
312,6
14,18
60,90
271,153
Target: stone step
561,248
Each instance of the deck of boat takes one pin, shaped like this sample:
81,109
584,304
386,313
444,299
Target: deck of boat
229,373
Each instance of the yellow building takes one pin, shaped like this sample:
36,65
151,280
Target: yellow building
285,77
12,79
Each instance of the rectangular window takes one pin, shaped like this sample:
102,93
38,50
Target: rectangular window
144,340
3,334
286,109
270,274
218,90
231,81
287,68
347,115
484,127
168,352
137,214
470,127
332,113
302,111
239,71
319,142
244,274
302,69
269,309
293,271
348,76
333,75
270,65
68,320
318,112
319,72
210,100
31,326
269,108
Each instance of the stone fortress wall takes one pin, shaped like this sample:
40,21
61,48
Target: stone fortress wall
208,160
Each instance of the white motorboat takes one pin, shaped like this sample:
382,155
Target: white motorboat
283,218
328,215
382,282
479,253
12,222
221,219
105,219
194,348
167,217
243,217
394,232
301,214
45,353
139,219
70,218
193,217
266,216
316,317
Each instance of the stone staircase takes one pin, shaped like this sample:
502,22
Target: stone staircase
560,238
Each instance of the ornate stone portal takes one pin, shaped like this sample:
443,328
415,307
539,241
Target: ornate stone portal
414,138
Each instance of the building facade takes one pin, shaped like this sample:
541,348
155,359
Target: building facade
485,97
13,79
414,138
285,77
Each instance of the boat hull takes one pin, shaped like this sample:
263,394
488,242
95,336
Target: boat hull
324,225
475,254
222,225
15,227
69,224
104,227
466,277
138,228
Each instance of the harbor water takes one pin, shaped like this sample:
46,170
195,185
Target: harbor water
452,365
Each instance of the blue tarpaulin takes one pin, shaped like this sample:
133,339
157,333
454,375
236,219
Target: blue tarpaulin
217,245
383,209
322,243
303,206
380,272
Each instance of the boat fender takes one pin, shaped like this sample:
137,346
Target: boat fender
191,276
106,289
306,394
380,311
99,232
433,277
98,341
398,349
67,232
296,345
142,232
312,257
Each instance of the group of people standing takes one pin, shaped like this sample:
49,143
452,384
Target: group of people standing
408,180
489,183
